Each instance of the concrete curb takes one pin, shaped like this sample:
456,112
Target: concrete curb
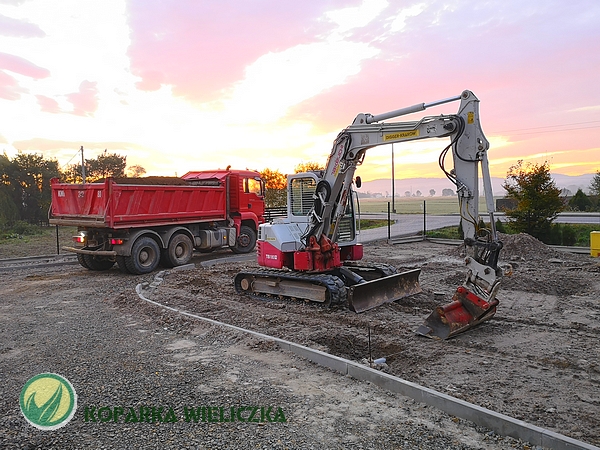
499,423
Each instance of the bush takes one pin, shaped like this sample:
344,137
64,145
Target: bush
500,228
24,229
569,235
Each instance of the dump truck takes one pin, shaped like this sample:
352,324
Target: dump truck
140,223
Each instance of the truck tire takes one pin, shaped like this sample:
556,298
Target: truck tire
246,241
179,251
121,263
145,256
97,262
81,260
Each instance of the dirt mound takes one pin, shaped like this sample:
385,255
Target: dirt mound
517,247
149,181
523,246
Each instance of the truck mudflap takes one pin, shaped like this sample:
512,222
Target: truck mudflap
371,294
466,311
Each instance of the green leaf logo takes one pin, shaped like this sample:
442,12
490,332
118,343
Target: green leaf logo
48,401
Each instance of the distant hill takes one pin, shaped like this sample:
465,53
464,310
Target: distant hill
412,185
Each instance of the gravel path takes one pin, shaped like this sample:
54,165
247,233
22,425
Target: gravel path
119,352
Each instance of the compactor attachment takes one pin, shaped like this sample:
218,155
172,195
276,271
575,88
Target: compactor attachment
370,294
464,312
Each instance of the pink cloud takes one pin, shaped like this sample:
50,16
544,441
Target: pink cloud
22,66
85,101
19,28
517,61
48,104
12,2
9,87
201,47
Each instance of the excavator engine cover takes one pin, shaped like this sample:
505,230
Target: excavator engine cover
465,311
369,295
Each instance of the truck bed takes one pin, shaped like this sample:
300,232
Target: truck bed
112,205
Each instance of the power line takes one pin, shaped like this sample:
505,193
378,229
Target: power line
76,153
544,131
549,126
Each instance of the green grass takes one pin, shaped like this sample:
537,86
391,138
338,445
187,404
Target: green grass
33,240
581,231
444,233
414,205
366,224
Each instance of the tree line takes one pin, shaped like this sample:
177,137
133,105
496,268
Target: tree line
25,193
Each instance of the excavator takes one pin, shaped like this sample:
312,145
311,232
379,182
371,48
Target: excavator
313,254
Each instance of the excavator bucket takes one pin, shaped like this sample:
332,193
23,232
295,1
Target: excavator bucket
464,312
369,295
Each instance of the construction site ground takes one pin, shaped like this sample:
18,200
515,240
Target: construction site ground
536,360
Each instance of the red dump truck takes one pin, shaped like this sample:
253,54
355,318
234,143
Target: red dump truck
140,223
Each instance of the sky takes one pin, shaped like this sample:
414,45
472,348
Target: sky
180,85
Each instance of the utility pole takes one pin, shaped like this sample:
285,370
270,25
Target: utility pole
393,184
82,166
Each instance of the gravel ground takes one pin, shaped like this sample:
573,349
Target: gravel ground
118,351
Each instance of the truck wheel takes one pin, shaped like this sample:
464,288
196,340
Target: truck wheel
246,241
179,251
145,256
97,262
121,263
81,260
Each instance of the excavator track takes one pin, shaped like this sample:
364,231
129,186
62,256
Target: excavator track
269,284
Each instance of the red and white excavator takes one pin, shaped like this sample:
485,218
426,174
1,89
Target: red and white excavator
312,254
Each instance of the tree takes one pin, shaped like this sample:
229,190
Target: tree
9,213
537,198
431,192
135,171
308,166
447,192
276,188
25,193
103,166
580,201
595,185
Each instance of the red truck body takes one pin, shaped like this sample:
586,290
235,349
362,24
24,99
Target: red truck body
210,209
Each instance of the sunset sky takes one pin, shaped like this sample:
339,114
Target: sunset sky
179,85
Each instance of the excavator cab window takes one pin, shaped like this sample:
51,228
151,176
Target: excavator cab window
301,198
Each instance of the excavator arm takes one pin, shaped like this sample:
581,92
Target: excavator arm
475,300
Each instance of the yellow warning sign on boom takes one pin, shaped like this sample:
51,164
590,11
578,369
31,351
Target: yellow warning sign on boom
400,135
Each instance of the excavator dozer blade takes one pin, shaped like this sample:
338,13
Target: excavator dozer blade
369,295
466,311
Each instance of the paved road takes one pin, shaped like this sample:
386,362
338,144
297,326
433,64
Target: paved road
410,224
405,225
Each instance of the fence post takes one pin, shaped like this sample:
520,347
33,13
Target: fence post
389,223
424,219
